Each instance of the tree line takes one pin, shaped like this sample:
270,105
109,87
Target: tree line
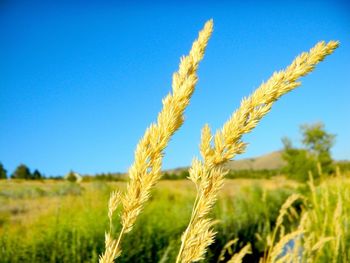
314,156
21,172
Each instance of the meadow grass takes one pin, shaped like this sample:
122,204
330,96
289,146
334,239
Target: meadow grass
70,226
66,222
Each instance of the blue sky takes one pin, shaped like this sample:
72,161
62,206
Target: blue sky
80,83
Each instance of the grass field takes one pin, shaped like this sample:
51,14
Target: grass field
56,221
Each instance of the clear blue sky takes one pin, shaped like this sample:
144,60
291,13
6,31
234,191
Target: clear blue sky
80,83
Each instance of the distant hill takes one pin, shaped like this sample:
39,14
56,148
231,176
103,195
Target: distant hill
270,161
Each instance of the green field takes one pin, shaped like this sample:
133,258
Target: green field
57,221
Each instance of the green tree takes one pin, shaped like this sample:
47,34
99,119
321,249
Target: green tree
299,161
36,175
3,172
71,177
317,144
22,172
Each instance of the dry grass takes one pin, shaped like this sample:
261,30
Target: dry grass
68,227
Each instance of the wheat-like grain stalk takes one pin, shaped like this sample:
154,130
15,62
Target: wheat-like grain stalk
279,224
337,222
146,170
278,248
208,174
226,248
238,257
272,247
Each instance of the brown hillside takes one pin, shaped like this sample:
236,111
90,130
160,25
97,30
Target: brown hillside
268,161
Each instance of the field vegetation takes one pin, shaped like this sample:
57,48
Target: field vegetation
58,221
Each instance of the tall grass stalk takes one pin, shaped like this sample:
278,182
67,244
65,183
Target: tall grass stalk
146,170
215,150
